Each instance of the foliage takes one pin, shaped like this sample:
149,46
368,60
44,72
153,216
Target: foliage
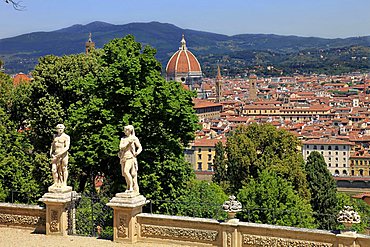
323,190
202,199
362,208
96,95
270,199
219,166
22,171
251,149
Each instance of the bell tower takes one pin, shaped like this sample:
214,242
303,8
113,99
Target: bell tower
89,45
218,85
252,87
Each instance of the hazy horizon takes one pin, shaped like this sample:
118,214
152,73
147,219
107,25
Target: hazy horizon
324,19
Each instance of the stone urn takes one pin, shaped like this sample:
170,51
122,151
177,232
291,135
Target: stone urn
348,217
231,207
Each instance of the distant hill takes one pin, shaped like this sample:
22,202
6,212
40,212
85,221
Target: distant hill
20,53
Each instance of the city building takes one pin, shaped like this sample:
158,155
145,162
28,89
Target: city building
335,152
201,154
206,109
184,67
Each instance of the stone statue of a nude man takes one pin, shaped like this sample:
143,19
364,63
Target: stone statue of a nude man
130,147
59,157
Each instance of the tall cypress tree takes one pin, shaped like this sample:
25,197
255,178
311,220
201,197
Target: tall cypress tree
219,166
323,191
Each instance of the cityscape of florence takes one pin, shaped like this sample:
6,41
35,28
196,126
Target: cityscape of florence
198,123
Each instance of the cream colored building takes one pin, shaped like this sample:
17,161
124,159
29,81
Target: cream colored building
205,109
297,114
336,154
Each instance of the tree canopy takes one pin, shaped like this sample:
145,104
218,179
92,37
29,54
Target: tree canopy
251,149
323,190
22,170
270,199
95,96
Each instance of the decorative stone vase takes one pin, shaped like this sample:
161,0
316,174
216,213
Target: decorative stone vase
231,215
231,207
347,226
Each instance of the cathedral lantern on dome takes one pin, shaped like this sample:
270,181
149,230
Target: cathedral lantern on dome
184,67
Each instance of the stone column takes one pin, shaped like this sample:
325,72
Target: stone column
57,202
126,206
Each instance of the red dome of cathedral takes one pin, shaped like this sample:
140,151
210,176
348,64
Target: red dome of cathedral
183,64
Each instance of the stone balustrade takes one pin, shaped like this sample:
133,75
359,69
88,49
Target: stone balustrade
208,232
22,215
157,228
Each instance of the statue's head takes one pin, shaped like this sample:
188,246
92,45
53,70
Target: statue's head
129,130
60,128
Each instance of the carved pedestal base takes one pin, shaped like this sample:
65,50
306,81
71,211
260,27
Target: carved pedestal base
56,212
126,206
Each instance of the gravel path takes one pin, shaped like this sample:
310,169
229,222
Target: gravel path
14,237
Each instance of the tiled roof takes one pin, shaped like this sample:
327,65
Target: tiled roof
328,142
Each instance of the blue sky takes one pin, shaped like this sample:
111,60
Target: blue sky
320,18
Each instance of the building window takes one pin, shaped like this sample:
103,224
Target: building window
345,172
336,165
199,166
329,164
361,172
322,147
344,147
209,150
329,153
315,147
329,158
322,152
353,172
329,147
199,156
336,158
209,157
209,166
344,164
199,150
344,153
336,153
308,152
336,148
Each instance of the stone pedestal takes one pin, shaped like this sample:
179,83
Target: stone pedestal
126,206
57,202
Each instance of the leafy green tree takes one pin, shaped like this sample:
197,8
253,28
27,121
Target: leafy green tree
96,95
251,149
202,199
14,99
323,190
270,199
219,166
22,171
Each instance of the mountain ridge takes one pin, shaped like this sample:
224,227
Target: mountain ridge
21,52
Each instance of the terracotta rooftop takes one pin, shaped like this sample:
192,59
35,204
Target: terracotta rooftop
327,141
207,142
199,103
